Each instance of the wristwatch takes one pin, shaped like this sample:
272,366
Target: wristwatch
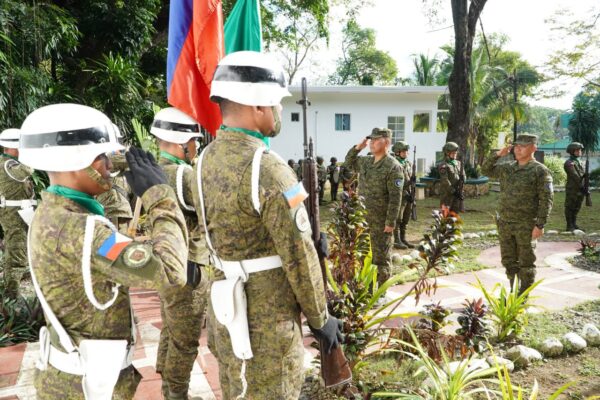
540,226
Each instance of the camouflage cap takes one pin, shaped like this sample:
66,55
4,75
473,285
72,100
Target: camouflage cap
450,146
574,146
400,146
526,138
380,133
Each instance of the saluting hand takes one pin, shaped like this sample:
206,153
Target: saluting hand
143,172
503,152
362,144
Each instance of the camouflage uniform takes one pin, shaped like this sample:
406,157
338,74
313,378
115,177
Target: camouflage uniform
406,206
381,184
450,174
15,184
116,201
321,178
574,188
182,309
334,174
57,233
525,201
276,296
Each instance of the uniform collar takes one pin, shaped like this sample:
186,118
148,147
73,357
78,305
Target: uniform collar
266,140
172,158
9,156
83,199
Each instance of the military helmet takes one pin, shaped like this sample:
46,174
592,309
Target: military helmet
249,78
450,146
400,146
9,138
174,126
66,137
333,160
320,160
570,148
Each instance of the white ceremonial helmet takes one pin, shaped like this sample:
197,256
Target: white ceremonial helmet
9,138
249,78
174,126
66,137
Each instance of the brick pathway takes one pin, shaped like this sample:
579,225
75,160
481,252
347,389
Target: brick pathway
563,286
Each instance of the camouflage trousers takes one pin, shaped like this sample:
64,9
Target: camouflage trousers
381,247
404,214
53,384
517,251
182,311
449,199
14,260
573,202
275,371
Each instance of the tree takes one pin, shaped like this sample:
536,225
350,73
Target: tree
584,126
426,70
578,39
542,121
361,61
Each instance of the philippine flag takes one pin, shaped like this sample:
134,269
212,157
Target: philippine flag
195,47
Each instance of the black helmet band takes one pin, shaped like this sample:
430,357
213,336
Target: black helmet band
249,74
176,127
95,135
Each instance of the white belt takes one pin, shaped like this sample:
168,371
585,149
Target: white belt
17,203
245,267
70,363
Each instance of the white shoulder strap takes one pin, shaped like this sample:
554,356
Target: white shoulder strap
256,177
201,197
9,163
179,186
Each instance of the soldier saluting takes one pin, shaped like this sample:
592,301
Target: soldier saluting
81,267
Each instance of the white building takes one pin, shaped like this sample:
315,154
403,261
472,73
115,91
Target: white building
340,116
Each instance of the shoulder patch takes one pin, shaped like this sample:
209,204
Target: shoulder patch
136,256
399,182
549,187
295,195
301,219
113,246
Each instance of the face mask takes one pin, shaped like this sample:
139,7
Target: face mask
96,177
277,119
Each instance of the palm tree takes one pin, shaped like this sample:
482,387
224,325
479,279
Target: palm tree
426,70
584,126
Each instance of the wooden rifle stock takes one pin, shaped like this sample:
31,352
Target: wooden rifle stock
460,189
335,368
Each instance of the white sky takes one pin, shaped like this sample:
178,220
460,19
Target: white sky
403,30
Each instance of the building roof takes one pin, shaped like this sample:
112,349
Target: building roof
558,145
437,90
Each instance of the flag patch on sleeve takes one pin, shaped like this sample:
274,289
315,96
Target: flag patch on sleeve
113,246
295,195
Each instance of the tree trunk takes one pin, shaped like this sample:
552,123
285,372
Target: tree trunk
465,24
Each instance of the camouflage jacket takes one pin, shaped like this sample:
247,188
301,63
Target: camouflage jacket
526,192
197,251
575,173
15,179
450,173
57,233
237,232
321,173
117,200
381,185
406,173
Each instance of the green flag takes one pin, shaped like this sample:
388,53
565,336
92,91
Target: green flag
242,28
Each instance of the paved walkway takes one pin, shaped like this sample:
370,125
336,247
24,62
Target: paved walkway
563,286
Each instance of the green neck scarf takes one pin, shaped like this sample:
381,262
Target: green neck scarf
266,140
9,156
171,157
451,161
573,158
401,160
83,199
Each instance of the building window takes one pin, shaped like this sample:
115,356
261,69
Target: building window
396,125
421,121
342,122
295,117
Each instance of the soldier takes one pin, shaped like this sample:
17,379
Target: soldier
80,266
333,171
525,204
575,191
117,200
299,170
400,150
321,177
292,164
182,309
260,238
450,173
16,199
380,182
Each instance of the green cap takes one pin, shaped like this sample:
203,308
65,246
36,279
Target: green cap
526,138
380,133
450,146
400,146
574,146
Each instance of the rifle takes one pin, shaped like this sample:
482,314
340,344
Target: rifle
460,188
334,366
586,181
413,187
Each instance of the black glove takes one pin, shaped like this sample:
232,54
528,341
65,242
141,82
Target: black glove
143,172
193,274
330,335
322,249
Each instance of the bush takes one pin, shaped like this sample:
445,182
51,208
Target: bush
472,172
433,172
595,177
20,319
555,165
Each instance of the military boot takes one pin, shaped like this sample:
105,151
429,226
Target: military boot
177,396
569,218
403,238
398,242
574,219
